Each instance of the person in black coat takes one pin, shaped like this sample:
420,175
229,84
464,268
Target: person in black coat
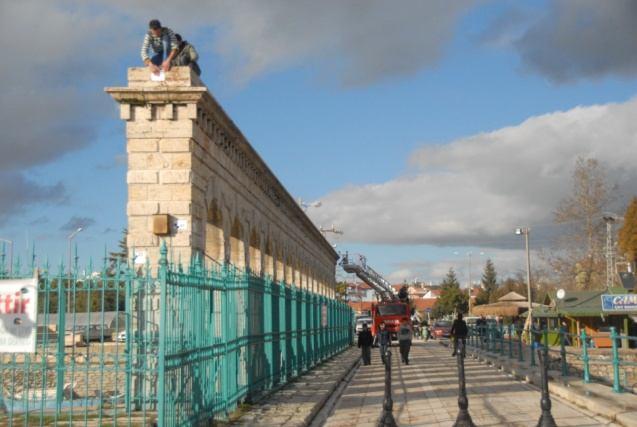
459,331
365,341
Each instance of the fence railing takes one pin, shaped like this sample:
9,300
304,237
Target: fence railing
123,346
570,354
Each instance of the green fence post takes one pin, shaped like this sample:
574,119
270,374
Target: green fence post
60,367
587,376
520,354
501,333
510,341
161,388
617,388
563,352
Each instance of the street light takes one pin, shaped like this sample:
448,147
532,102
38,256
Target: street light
525,232
10,255
68,292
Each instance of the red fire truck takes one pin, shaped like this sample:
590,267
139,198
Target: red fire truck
390,309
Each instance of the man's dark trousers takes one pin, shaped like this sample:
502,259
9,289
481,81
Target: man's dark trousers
367,354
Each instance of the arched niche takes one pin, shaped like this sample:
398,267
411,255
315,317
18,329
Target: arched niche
254,253
237,247
214,236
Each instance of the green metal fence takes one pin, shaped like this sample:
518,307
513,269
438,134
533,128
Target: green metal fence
121,346
570,354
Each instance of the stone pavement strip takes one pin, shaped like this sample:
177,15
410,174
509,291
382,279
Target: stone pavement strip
426,391
298,401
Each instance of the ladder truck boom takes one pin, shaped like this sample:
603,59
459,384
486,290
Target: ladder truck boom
369,276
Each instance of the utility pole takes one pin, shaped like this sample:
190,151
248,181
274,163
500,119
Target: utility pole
525,231
611,268
470,284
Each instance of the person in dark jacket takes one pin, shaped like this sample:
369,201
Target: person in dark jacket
365,341
459,331
404,341
384,341
186,55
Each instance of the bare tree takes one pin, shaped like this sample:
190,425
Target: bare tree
578,258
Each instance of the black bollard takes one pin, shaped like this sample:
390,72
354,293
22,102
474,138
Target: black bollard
387,417
463,419
546,419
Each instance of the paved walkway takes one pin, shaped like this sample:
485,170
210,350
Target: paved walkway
426,393
298,401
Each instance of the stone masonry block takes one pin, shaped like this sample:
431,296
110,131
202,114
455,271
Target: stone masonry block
159,129
142,177
141,240
175,208
137,192
175,176
147,161
169,145
142,145
169,192
142,208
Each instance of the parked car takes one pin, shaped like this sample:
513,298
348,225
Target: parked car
361,321
121,336
96,333
441,329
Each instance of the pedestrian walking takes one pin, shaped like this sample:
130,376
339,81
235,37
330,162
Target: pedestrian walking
384,341
404,341
365,341
459,332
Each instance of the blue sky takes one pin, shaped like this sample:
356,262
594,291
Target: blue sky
332,129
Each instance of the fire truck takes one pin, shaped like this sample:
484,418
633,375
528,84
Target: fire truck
389,309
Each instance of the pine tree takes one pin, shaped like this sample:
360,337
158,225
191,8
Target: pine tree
119,258
489,284
627,236
451,299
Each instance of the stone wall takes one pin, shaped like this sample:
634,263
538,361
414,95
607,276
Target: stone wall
187,159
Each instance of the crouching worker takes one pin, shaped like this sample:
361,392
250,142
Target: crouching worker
365,341
404,341
186,55
162,44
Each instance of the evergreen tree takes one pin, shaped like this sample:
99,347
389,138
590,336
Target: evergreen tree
627,236
120,257
489,284
452,298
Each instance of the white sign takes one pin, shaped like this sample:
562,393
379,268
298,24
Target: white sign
181,225
139,257
159,77
18,315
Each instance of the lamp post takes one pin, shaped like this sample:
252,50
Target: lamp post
70,270
470,287
525,232
10,255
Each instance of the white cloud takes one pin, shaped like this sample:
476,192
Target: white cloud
475,190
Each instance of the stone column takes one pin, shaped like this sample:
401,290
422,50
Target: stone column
160,127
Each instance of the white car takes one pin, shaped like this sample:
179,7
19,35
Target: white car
121,337
361,321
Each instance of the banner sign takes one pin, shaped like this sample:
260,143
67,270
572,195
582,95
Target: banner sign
18,315
619,302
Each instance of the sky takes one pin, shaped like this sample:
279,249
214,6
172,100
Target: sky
428,130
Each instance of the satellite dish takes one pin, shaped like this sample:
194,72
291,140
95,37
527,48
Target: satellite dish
561,294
